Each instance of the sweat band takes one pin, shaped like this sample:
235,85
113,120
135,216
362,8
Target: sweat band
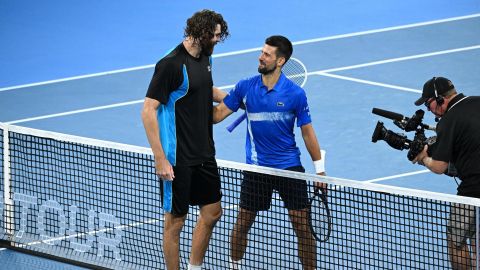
320,164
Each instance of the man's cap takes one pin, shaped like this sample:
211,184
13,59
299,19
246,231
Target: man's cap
441,84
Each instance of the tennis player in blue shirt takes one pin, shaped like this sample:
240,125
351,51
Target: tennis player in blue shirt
273,103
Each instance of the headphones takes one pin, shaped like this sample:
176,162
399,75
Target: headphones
438,99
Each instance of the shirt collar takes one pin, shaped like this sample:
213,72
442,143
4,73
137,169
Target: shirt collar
278,86
455,100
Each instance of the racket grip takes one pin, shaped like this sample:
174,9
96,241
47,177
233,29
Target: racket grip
237,122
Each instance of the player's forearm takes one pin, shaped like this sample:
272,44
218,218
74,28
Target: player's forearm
220,112
311,142
152,131
218,94
216,115
435,166
313,148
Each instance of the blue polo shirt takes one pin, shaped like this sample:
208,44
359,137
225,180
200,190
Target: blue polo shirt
271,118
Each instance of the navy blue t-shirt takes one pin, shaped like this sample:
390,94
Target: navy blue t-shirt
458,141
183,85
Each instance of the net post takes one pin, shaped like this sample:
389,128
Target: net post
477,236
7,201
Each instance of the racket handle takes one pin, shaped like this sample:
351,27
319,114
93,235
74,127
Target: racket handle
237,122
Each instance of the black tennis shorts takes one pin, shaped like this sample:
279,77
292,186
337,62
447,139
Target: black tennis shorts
193,185
257,191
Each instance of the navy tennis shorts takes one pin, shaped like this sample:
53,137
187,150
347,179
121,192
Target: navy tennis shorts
193,185
257,191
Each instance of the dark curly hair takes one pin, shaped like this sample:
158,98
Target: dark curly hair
203,23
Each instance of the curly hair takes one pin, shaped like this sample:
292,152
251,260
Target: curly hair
203,23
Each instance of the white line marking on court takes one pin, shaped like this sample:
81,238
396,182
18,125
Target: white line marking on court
394,28
76,111
88,109
395,176
398,59
387,29
368,82
77,77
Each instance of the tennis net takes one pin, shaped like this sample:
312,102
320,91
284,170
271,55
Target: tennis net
97,204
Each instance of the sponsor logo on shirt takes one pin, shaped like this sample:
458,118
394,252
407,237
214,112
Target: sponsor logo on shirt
280,104
209,69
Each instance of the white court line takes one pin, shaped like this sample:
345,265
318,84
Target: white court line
88,109
320,72
367,82
396,176
399,59
75,112
252,50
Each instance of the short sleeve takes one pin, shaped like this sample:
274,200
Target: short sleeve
166,78
235,97
302,111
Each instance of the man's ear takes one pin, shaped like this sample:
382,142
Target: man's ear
281,61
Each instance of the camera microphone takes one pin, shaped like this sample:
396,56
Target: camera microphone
402,121
388,114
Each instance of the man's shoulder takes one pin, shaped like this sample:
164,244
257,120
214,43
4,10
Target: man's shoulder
474,98
248,83
173,57
251,80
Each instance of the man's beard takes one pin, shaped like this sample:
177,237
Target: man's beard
207,47
265,70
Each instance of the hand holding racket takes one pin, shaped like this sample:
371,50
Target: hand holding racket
294,70
319,217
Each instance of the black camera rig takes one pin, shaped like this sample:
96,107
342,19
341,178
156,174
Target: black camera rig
400,141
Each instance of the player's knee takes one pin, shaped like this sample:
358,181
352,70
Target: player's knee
211,217
174,227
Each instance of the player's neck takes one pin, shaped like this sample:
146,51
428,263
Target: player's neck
269,80
192,47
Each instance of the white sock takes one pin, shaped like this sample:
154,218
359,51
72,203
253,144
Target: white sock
235,265
194,267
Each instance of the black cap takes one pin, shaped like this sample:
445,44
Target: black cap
441,84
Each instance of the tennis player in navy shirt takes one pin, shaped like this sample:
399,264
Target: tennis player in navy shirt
273,103
177,116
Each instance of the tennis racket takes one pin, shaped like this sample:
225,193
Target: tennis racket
319,217
295,70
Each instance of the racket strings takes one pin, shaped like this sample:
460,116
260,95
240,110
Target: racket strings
296,71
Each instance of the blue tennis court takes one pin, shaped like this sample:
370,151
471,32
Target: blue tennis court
83,69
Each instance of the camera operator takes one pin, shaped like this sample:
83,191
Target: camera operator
458,143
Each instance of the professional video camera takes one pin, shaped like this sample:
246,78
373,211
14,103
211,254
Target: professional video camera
400,141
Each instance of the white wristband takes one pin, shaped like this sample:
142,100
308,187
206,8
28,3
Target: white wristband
320,164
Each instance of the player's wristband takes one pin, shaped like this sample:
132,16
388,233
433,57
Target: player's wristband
320,164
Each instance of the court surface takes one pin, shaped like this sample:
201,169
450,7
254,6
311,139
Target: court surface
83,69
